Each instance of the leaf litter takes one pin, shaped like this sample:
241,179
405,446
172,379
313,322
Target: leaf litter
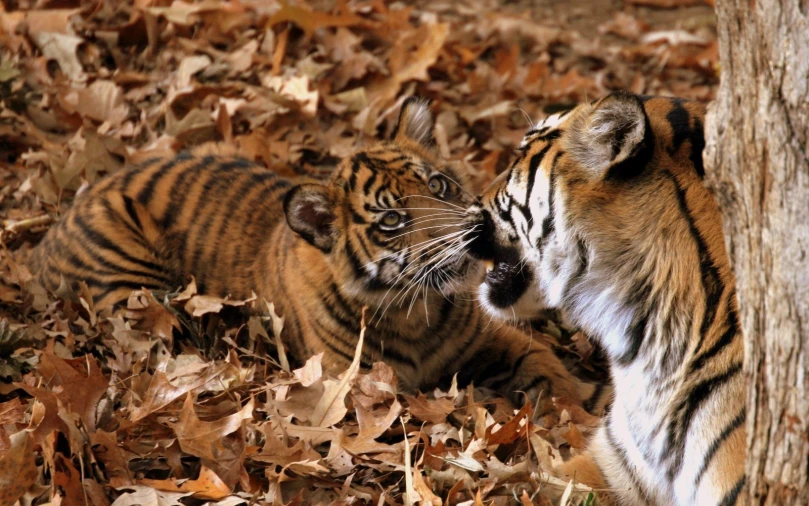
180,401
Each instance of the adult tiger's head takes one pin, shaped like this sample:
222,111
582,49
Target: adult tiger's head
597,180
391,219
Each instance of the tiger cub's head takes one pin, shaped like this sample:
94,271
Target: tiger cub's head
391,220
602,183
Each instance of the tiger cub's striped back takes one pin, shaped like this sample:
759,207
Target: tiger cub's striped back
386,232
156,224
606,207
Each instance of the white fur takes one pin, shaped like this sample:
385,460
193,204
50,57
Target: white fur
419,122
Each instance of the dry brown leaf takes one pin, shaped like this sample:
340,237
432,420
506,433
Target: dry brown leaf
82,384
107,450
372,427
309,21
151,315
161,392
667,4
18,471
207,486
512,430
331,408
148,496
11,411
428,410
209,441
67,482
63,49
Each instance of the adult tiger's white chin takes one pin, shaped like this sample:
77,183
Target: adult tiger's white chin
526,306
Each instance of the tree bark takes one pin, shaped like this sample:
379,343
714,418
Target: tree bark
757,163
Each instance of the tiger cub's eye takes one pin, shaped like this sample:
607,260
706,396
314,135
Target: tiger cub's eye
391,219
437,185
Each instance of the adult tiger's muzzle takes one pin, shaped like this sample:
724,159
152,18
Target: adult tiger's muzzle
507,276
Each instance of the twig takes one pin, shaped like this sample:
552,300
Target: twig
15,227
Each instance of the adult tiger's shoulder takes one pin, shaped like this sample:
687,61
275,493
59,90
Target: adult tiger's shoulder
606,207
386,231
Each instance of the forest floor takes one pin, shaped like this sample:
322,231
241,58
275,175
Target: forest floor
168,403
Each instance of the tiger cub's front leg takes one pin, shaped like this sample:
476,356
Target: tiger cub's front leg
521,368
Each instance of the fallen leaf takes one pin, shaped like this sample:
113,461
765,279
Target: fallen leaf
63,49
331,407
161,392
18,471
148,496
433,411
207,486
209,441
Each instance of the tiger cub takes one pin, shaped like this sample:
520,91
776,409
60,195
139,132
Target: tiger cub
386,232
606,208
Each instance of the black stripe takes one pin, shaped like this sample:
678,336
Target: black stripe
711,281
640,298
536,382
548,223
683,416
445,322
96,237
725,339
334,349
471,369
145,194
367,186
129,205
353,259
518,363
624,460
550,136
590,403
137,233
203,235
733,494
181,187
734,424
111,287
533,167
697,147
252,179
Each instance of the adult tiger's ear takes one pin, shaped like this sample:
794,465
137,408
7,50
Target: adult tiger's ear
613,141
415,122
310,213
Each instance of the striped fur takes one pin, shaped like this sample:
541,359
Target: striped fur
604,215
221,219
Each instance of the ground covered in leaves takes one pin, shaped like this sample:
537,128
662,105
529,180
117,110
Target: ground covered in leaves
178,400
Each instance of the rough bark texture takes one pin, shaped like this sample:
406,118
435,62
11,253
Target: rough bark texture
757,159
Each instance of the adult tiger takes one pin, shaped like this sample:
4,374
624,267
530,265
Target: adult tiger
386,232
604,215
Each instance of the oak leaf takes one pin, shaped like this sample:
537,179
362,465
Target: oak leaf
18,471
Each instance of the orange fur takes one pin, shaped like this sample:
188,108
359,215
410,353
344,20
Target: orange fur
320,252
606,208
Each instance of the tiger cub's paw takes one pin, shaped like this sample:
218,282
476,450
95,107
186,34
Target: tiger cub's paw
583,469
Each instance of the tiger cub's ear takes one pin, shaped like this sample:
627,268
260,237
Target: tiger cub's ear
614,140
415,122
309,212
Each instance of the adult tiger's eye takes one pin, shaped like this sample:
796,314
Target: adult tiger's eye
391,219
437,185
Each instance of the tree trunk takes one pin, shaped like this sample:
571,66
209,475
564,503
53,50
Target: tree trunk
757,160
